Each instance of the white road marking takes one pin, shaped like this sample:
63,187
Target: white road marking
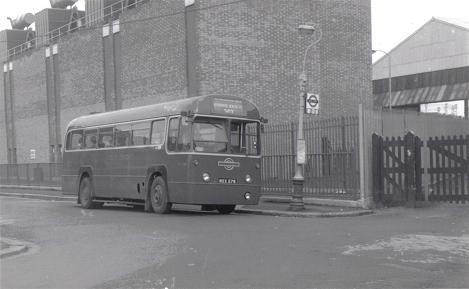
425,249
86,213
6,221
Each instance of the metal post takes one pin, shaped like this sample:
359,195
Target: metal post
297,203
389,81
466,109
389,75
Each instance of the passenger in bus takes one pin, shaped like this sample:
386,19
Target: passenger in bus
106,141
93,142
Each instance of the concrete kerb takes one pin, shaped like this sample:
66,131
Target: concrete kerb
14,248
39,197
304,214
315,201
40,188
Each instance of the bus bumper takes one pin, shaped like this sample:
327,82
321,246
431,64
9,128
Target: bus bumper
214,194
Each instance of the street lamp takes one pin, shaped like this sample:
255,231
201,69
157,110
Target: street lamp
389,74
297,203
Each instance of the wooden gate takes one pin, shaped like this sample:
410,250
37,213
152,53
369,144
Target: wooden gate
449,169
397,173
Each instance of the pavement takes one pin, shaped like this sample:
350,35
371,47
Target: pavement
268,205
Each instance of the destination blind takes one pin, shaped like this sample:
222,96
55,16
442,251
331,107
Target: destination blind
228,107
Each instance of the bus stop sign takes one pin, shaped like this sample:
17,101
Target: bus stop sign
312,103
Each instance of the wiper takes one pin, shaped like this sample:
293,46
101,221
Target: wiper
217,125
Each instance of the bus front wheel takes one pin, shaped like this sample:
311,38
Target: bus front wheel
159,196
86,194
225,209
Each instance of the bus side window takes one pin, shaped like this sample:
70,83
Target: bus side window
173,133
157,132
141,133
75,140
91,138
106,137
122,135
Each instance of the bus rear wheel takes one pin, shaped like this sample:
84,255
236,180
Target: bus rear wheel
86,194
225,209
159,196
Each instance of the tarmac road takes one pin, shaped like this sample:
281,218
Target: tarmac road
119,247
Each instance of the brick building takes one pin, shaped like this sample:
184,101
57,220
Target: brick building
161,50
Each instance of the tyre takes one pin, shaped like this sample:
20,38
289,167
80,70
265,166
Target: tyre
159,196
225,209
86,194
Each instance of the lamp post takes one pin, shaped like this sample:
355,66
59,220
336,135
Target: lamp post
297,203
389,74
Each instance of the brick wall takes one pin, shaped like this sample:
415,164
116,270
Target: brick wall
81,75
246,48
253,49
153,52
30,107
3,130
345,56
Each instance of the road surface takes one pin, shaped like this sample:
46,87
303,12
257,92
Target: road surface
119,247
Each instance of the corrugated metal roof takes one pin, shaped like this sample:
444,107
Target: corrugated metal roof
462,23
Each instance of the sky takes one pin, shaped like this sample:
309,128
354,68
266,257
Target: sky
392,20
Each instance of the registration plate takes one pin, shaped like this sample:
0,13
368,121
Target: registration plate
227,181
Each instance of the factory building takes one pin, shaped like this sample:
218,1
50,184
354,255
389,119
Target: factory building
429,70
120,54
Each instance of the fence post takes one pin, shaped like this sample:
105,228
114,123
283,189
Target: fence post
367,200
343,157
17,174
410,169
377,167
27,174
418,169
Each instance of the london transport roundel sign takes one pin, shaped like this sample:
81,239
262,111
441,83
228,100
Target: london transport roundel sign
312,103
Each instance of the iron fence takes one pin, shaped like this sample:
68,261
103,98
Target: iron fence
332,158
36,174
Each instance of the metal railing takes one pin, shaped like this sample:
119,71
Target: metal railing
332,158
38,174
110,12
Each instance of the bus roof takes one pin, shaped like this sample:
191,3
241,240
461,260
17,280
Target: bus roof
217,105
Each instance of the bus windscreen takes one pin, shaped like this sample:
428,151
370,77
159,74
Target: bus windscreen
211,135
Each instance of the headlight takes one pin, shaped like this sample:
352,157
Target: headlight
248,179
247,196
206,177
